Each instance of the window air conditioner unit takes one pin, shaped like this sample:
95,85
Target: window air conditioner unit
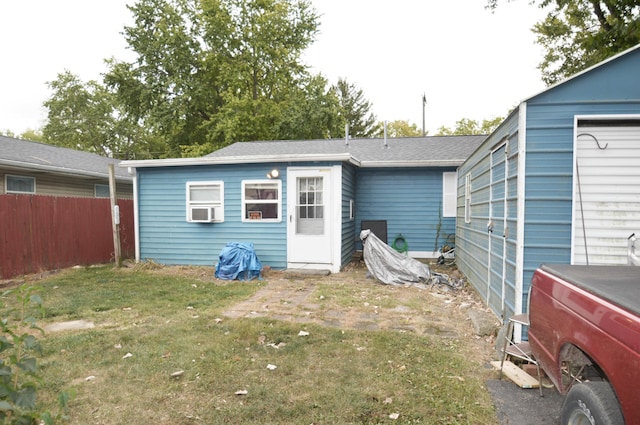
202,214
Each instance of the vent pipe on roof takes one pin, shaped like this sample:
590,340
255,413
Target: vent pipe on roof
385,135
346,134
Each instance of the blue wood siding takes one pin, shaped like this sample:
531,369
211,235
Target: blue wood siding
166,236
410,200
348,225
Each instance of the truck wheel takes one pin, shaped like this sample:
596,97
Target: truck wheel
591,403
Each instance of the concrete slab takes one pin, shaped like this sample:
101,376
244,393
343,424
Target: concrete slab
70,325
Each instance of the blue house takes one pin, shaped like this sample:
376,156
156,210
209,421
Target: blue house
301,203
557,182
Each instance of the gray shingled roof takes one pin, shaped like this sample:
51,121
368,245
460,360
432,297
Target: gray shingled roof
429,150
23,154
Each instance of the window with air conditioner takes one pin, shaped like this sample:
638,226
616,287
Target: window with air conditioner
262,200
205,202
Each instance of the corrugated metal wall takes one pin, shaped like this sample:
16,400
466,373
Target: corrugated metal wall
487,245
42,233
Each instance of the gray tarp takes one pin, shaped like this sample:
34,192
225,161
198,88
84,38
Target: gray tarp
389,266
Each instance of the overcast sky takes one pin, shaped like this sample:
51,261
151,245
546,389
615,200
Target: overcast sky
468,61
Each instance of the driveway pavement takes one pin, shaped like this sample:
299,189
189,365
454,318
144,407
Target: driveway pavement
518,406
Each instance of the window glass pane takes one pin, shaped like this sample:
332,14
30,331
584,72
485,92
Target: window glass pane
266,211
205,193
102,191
261,191
21,184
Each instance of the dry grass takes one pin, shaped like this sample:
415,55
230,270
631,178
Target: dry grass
188,359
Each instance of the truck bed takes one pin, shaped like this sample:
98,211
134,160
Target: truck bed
618,284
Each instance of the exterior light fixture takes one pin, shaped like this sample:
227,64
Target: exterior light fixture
273,174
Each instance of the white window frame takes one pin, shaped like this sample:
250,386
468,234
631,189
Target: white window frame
449,193
95,190
277,202
215,206
7,177
467,198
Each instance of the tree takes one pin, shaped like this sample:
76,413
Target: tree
579,33
355,110
87,116
467,127
7,133
397,128
211,73
32,135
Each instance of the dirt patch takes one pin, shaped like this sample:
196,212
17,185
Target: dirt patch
352,300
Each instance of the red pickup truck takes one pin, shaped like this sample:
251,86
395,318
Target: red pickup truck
585,334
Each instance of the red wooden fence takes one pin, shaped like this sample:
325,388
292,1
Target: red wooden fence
39,233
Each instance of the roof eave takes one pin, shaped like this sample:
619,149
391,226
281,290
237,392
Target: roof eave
417,163
59,170
245,159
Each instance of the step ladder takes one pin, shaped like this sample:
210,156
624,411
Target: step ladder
519,350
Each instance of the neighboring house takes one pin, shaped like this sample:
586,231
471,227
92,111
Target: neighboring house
557,182
40,169
301,203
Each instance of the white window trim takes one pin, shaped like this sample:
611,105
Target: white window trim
217,205
279,201
6,184
449,193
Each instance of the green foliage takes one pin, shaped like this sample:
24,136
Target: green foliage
467,127
577,34
88,117
32,135
19,377
355,110
213,73
206,74
397,128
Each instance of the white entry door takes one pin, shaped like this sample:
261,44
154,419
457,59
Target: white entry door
309,218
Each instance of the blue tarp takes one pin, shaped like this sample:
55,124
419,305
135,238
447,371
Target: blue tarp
238,261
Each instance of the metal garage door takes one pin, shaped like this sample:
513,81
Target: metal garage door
606,201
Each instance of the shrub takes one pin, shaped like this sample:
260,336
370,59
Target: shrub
19,348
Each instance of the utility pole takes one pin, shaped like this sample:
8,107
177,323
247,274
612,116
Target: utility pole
115,216
424,106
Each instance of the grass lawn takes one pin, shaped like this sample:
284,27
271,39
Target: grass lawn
162,352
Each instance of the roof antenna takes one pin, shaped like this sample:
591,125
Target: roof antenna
385,135
346,134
